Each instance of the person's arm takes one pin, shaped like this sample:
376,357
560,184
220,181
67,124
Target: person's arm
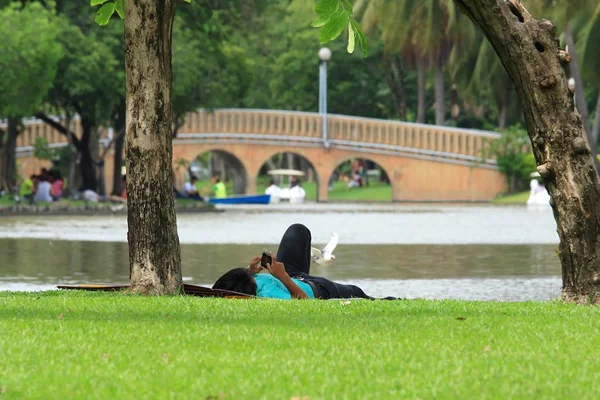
255,266
277,269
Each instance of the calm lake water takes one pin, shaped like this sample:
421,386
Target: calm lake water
430,251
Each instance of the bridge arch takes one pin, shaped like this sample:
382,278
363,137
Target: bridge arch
229,165
340,168
303,157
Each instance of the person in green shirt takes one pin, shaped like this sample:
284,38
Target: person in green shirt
26,188
218,188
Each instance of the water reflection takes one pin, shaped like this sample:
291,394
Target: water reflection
438,271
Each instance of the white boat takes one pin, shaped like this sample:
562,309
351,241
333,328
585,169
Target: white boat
538,195
294,194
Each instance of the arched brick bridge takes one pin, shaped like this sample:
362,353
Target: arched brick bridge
423,162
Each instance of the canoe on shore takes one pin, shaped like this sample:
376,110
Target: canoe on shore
242,199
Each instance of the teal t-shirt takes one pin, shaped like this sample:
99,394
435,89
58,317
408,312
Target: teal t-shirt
269,286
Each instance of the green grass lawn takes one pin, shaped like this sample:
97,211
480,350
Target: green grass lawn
516,198
77,345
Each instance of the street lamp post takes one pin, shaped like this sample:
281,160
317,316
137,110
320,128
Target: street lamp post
324,55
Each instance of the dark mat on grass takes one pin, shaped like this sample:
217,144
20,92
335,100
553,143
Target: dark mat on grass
193,290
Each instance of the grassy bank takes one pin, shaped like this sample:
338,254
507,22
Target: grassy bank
516,198
99,345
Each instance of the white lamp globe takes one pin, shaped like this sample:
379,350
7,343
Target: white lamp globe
325,54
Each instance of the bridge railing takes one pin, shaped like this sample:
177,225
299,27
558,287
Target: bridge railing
343,130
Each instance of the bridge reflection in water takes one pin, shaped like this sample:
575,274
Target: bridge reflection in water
423,162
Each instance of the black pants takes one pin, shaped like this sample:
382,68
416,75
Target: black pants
294,253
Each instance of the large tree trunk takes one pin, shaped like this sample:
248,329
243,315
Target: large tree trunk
421,91
440,100
529,50
8,155
154,254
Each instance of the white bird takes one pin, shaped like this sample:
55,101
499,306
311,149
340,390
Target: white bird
325,256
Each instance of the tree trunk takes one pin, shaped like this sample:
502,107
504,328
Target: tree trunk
119,123
154,253
421,91
118,163
440,100
529,50
503,112
394,76
8,161
596,128
87,162
72,185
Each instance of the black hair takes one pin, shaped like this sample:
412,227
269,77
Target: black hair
193,178
238,280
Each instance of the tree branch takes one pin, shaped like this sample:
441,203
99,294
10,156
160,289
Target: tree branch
60,128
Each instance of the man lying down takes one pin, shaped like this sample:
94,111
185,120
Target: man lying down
288,274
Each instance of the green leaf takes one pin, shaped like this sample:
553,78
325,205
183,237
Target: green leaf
97,2
335,26
362,39
188,1
104,13
351,38
348,6
120,8
319,22
326,8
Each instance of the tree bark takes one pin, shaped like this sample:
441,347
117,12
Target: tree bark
421,91
154,253
440,100
529,50
8,155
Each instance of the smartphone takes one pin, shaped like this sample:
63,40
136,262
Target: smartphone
265,259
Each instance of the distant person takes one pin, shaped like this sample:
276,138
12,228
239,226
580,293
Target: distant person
218,188
89,195
297,191
273,189
355,181
42,192
26,188
189,189
57,185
